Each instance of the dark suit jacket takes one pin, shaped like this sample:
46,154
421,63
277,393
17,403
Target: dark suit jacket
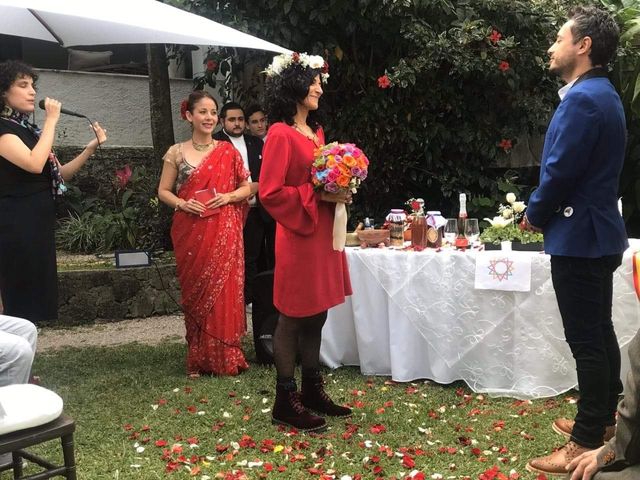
620,457
576,201
254,154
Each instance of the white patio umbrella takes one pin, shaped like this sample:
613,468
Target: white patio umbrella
93,22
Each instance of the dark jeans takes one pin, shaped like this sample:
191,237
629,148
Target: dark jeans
584,290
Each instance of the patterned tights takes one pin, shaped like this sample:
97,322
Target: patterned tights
297,335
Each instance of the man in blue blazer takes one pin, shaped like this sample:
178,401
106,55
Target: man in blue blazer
575,206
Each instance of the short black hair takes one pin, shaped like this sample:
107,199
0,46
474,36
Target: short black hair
601,28
230,106
253,109
10,71
284,91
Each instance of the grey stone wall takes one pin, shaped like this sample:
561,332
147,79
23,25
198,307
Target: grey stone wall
117,294
119,102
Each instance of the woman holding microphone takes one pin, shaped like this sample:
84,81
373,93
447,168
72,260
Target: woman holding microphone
30,178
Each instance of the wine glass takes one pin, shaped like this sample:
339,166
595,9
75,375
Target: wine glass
471,230
451,231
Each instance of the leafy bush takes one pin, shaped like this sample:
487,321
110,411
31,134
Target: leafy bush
123,213
433,91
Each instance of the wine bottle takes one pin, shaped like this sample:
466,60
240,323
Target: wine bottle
462,241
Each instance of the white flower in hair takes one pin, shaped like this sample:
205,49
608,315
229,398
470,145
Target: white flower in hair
285,60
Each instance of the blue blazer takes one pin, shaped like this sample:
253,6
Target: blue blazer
576,203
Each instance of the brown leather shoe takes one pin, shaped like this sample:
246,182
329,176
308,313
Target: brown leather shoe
564,426
556,462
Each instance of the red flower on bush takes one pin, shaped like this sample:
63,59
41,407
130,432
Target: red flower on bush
123,176
504,66
212,65
505,144
384,82
495,36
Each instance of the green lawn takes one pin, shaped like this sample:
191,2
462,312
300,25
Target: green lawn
129,401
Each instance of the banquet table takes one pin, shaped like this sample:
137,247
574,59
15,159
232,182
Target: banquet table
416,315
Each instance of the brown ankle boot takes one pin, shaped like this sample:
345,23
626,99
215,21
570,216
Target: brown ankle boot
555,464
315,398
564,426
288,410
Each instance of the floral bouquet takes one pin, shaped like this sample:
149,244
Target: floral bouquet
336,167
504,226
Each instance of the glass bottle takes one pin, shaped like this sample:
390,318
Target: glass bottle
419,231
462,241
368,224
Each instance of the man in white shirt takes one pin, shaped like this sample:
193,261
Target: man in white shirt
259,229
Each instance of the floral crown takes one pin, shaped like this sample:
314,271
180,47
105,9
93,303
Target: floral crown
285,60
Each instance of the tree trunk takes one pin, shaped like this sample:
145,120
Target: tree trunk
159,100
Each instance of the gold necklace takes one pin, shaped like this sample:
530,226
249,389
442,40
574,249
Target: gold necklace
201,147
313,137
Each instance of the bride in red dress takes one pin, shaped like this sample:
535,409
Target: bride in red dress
310,276
208,248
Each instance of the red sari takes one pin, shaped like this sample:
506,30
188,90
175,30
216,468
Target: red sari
210,266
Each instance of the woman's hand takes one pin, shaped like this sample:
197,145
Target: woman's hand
101,137
52,109
221,199
192,206
339,197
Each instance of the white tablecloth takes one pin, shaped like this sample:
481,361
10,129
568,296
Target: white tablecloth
416,315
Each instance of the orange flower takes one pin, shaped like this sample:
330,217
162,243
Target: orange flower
343,181
349,160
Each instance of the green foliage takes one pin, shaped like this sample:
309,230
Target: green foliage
438,129
512,232
123,214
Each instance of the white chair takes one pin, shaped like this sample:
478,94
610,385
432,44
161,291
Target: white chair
30,415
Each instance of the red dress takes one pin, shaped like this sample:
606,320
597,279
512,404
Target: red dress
210,266
310,276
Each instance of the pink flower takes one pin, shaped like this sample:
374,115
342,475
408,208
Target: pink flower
504,66
123,176
384,82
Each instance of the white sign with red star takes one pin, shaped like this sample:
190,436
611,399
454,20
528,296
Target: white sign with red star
508,271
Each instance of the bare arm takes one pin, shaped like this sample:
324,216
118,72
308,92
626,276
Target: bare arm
33,161
239,194
69,169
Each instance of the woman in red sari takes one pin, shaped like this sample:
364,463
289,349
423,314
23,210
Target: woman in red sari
310,276
208,245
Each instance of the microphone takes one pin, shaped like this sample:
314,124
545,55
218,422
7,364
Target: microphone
63,110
